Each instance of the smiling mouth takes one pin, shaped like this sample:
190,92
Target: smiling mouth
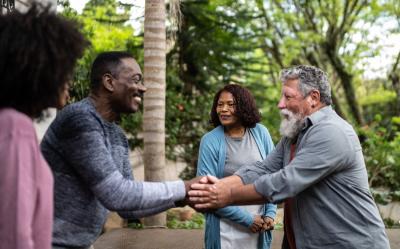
224,117
137,99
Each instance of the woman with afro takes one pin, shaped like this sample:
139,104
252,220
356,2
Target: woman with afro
38,52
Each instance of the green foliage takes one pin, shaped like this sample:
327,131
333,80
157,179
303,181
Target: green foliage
135,225
389,223
186,121
248,42
185,125
381,146
196,222
378,97
214,47
384,196
104,23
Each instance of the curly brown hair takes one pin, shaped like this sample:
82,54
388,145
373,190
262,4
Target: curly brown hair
245,106
38,52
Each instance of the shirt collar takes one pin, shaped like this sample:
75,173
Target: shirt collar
318,115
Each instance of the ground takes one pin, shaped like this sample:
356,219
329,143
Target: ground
159,238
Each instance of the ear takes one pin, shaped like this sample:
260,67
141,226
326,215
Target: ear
315,98
108,82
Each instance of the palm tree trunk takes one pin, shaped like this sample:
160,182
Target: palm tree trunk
154,100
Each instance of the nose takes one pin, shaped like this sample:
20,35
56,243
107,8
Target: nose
282,103
142,88
225,108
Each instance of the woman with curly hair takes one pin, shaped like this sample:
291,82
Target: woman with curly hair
236,140
38,51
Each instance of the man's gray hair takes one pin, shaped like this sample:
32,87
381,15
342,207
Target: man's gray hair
310,78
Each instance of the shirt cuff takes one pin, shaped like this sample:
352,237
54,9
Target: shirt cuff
245,178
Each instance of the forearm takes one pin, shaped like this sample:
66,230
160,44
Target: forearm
236,214
233,181
120,194
246,195
217,193
270,210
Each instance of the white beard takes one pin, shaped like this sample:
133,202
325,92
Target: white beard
291,123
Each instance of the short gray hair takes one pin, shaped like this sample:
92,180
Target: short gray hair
310,78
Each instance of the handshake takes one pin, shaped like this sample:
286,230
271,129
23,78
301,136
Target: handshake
205,193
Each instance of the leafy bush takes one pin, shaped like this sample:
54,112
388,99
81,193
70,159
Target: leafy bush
381,144
196,222
389,223
135,225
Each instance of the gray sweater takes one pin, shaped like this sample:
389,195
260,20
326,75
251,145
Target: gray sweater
332,205
92,174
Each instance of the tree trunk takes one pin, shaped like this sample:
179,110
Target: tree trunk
154,99
396,86
394,76
337,107
346,80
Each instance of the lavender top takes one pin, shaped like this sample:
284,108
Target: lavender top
26,186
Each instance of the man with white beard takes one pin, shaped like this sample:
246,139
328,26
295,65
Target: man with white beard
317,170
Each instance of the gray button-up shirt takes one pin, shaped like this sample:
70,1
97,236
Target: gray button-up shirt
332,206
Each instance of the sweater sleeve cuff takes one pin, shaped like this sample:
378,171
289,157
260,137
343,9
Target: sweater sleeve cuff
178,190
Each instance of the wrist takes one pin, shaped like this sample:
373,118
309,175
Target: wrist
187,186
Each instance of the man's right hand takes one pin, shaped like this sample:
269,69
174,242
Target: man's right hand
210,193
198,179
188,183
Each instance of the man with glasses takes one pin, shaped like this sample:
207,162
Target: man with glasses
89,156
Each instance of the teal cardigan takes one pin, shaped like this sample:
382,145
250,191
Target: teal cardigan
211,161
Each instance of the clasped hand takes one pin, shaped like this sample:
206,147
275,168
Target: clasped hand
262,223
208,192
